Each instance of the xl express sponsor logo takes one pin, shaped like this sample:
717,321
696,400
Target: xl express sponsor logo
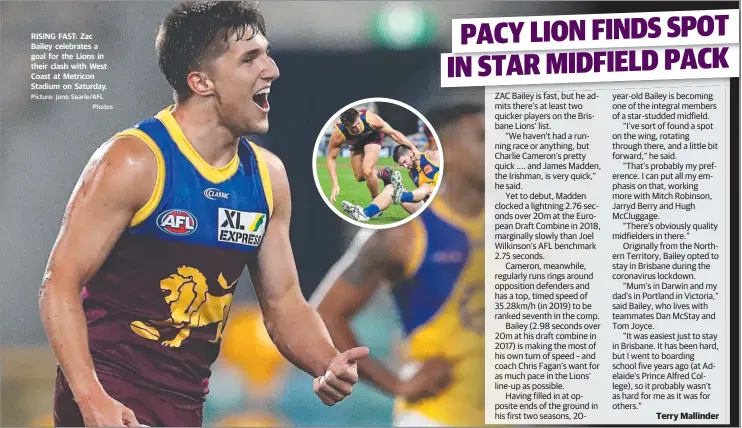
241,227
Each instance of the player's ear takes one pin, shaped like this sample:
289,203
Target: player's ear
200,83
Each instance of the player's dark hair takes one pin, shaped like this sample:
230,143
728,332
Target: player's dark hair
348,117
194,33
400,151
443,116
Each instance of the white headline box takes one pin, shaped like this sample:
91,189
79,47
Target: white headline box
565,64
684,28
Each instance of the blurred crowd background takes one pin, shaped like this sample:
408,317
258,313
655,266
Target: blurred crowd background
330,54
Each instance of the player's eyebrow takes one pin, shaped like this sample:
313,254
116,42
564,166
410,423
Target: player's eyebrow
252,53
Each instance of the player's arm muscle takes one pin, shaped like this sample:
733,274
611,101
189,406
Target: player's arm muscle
333,150
117,181
352,282
431,145
293,325
384,127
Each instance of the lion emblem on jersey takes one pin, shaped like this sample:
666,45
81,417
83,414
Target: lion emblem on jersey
471,308
191,306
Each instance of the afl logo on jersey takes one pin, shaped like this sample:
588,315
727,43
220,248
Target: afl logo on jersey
177,222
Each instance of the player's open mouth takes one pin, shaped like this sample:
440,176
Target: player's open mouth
261,98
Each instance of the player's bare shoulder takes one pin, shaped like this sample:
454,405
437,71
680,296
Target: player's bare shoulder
391,249
117,181
337,138
124,168
274,163
402,234
433,155
374,119
280,192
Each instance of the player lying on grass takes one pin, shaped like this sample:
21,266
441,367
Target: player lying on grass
423,172
363,131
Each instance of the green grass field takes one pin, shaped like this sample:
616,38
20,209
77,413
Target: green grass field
357,193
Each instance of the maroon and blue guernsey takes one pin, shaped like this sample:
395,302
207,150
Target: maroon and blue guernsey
367,135
157,307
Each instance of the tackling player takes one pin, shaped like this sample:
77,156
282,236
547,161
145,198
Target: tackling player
363,131
434,266
161,224
424,173
430,144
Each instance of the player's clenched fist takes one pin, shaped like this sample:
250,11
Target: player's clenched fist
337,382
103,411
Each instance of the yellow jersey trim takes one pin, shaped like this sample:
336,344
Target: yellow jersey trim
337,128
154,199
265,177
473,226
419,245
447,413
435,164
211,173
374,127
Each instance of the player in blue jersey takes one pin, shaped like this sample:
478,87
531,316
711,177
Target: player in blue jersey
363,131
424,172
434,266
161,224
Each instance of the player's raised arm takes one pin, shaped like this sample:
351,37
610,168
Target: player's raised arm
333,150
430,143
293,325
381,259
116,183
398,137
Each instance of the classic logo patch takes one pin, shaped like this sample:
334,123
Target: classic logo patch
213,194
240,227
177,222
